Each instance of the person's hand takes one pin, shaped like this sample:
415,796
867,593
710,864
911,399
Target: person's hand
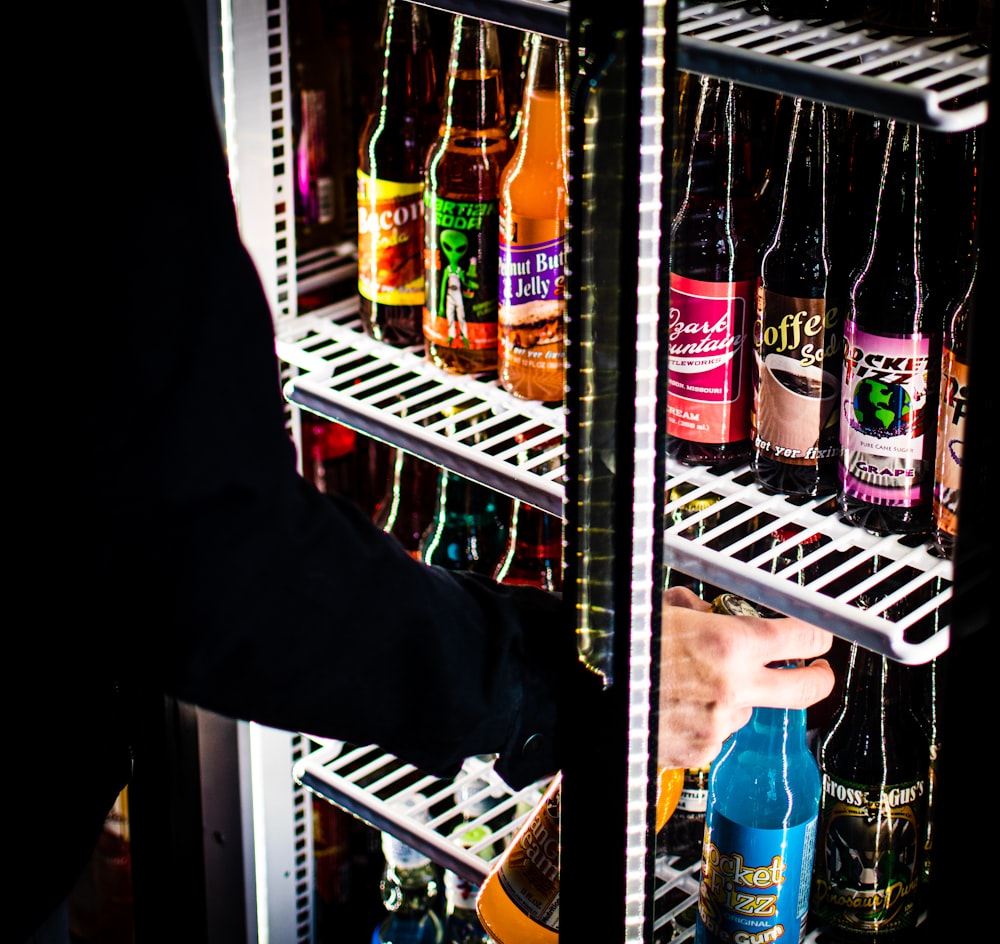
714,671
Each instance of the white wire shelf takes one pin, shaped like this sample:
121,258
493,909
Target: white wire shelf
424,812
888,593
939,82
468,424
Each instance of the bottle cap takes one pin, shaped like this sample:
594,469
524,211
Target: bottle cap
732,605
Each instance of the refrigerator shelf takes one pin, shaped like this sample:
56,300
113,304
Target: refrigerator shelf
887,593
423,811
939,82
468,424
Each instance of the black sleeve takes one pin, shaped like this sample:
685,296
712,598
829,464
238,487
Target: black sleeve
240,587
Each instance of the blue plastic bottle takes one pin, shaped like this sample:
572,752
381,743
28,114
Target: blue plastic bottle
760,833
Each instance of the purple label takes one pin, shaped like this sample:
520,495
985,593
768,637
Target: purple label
532,273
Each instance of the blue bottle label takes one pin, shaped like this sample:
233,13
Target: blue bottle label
755,882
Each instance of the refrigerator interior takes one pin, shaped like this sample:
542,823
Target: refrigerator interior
257,785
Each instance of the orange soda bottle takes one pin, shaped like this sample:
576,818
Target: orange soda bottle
531,360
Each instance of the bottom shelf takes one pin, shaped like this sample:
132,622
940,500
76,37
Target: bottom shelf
424,811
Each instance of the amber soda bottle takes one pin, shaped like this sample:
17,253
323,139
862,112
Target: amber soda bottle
461,195
391,153
714,244
533,220
952,411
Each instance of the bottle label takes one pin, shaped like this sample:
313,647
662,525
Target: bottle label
532,295
460,309
870,855
885,412
795,392
950,440
529,873
708,390
390,241
693,800
755,882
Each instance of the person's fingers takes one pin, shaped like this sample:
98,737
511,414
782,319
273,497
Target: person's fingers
791,687
783,639
685,597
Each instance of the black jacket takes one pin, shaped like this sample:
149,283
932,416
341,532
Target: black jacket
160,537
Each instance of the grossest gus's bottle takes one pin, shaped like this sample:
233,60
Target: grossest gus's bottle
392,149
875,760
462,187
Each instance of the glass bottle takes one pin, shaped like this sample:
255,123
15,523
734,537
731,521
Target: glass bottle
475,803
760,828
920,17
519,899
926,690
468,530
797,354
317,120
462,188
892,357
407,508
392,148
703,523
533,219
684,832
534,552
953,403
714,244
409,891
810,9
869,851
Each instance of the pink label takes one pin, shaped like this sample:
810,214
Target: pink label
886,418
708,390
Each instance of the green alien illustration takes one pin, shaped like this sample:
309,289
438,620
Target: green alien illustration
455,246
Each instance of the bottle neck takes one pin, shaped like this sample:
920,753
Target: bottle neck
408,60
775,731
474,93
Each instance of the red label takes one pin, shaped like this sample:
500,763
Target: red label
708,390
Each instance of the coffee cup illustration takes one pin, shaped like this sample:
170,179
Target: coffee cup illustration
794,403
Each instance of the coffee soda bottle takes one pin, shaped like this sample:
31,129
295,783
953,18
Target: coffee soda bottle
797,336
461,219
